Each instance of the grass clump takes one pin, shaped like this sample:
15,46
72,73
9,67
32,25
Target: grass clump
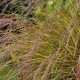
44,46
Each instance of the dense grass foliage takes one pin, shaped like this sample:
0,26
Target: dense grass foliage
40,43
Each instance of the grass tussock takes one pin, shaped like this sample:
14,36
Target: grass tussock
40,42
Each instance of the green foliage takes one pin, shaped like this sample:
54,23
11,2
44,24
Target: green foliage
7,73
